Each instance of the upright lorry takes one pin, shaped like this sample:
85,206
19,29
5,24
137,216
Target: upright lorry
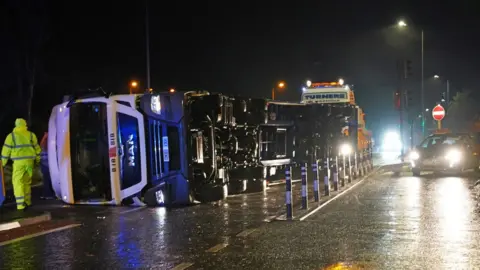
341,98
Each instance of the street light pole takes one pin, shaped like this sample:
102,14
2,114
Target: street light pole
448,92
147,41
280,85
422,96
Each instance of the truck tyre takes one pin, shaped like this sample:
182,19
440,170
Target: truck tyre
257,185
209,193
237,186
416,172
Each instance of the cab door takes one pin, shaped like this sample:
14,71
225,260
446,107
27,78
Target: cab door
127,151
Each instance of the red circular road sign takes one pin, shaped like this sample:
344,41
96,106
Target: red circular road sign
438,112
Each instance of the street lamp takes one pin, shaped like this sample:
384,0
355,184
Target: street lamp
309,83
280,85
133,85
403,24
172,90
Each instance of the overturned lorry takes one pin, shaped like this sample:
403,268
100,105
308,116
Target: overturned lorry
175,148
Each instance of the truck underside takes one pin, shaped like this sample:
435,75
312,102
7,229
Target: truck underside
192,146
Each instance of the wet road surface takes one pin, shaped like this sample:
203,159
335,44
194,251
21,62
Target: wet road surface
122,237
385,222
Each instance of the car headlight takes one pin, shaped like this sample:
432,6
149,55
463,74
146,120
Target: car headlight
453,155
414,155
345,149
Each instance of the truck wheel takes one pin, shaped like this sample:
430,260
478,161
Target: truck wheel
237,186
210,193
257,185
416,172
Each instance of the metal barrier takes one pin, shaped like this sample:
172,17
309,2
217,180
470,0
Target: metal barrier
2,185
362,164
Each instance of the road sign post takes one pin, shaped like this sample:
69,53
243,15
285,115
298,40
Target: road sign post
438,113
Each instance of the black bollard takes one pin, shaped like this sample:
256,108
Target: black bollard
316,193
288,193
349,169
362,169
304,186
335,174
371,160
326,181
355,164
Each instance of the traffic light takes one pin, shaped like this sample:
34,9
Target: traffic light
443,97
397,99
407,69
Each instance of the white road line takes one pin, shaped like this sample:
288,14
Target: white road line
9,226
270,218
182,266
246,232
217,248
331,200
283,182
337,196
132,210
38,234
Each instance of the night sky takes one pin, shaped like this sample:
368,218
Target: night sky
241,47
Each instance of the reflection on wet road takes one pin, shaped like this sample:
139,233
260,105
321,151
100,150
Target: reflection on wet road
117,237
385,222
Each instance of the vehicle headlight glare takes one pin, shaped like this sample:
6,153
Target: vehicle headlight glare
345,149
453,155
414,156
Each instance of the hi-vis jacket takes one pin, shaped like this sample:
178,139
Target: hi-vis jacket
21,144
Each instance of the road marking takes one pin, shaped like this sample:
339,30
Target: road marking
182,266
246,232
358,200
270,218
39,234
282,182
217,248
337,196
132,210
9,226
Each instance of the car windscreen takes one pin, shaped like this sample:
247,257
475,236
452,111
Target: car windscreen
441,141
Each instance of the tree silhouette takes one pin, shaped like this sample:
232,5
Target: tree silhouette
25,28
461,112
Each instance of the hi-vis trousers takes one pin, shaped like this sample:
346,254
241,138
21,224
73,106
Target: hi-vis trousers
22,182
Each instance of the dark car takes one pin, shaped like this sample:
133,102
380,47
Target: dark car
451,153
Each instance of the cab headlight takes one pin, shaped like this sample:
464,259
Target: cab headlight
453,155
345,149
414,155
